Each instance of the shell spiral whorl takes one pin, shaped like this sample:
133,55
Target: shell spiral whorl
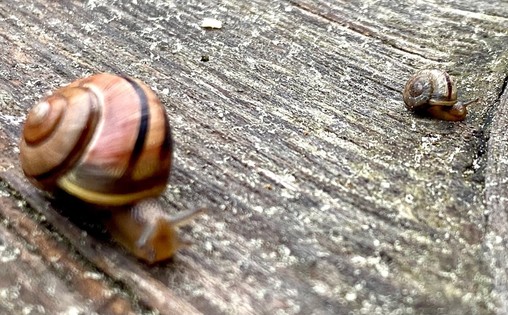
429,87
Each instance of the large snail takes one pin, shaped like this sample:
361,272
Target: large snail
106,140
434,92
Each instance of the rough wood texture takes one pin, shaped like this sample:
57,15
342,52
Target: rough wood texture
496,190
325,195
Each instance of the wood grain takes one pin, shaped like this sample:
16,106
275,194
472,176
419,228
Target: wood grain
326,196
39,275
497,202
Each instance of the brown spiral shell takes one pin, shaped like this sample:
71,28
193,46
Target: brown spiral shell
105,139
430,87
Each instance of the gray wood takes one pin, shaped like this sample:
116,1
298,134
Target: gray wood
497,202
41,276
325,195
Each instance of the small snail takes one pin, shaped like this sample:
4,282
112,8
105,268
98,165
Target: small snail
106,140
434,92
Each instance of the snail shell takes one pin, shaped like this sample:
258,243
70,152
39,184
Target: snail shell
434,92
106,140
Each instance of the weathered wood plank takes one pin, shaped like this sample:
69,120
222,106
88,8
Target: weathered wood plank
39,277
497,202
150,291
26,284
325,195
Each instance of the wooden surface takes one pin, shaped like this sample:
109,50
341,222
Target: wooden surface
326,196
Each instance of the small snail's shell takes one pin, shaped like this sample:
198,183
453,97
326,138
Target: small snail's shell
430,87
104,139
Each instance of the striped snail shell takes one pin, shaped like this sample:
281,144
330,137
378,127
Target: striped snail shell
106,140
434,92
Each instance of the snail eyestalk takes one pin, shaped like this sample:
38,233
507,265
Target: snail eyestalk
467,103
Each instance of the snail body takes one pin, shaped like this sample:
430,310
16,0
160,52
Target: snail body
435,92
106,140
